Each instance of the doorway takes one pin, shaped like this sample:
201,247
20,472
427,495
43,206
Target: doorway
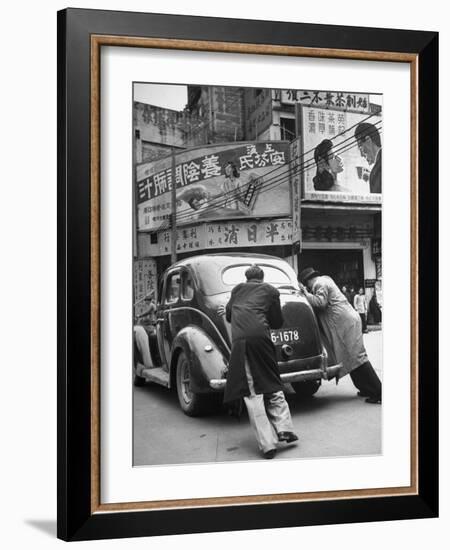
344,266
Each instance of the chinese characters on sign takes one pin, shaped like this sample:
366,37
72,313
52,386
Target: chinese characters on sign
343,101
295,169
215,182
210,166
335,169
273,232
226,235
145,281
188,240
326,123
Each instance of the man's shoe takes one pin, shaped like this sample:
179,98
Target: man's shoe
270,454
362,394
374,400
288,437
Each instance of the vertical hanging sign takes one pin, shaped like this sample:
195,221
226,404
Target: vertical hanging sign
295,178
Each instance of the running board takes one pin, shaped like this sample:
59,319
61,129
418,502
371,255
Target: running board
157,375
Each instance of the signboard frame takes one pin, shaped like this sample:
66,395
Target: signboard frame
343,148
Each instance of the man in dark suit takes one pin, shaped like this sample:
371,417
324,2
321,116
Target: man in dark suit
369,143
254,308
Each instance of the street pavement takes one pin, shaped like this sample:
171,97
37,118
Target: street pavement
335,422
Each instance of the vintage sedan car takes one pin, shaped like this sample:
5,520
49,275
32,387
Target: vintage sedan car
192,344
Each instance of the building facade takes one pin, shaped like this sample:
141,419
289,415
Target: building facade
336,231
157,131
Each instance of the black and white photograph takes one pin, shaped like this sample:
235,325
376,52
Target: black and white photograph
228,232
257,264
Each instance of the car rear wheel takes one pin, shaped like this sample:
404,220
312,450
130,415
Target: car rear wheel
306,389
192,404
138,381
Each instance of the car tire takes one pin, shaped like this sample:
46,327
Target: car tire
138,381
192,404
306,389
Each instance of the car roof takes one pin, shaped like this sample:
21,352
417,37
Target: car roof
227,257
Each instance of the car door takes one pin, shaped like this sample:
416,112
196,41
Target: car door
165,329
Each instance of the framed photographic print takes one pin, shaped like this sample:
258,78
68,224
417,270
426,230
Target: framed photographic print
247,274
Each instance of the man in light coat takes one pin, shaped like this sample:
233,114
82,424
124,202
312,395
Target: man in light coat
341,330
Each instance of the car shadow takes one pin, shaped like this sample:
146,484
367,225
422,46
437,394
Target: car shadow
168,398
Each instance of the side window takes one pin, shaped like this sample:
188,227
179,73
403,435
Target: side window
187,286
172,288
160,290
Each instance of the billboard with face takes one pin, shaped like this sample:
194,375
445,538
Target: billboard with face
339,166
233,180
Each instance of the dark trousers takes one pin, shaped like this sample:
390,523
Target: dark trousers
363,321
366,380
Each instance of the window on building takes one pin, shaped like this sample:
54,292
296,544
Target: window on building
287,128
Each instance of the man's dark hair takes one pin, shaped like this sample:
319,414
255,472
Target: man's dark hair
234,169
254,272
323,181
364,130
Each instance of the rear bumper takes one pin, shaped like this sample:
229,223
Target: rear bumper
325,372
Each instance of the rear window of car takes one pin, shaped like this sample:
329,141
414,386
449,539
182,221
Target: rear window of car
235,274
222,275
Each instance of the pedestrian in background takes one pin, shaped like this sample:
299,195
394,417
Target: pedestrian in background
147,319
346,292
341,330
360,305
351,296
144,329
253,309
375,309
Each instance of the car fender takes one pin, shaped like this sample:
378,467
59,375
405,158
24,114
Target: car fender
206,359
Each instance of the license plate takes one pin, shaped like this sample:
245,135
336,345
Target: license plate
285,336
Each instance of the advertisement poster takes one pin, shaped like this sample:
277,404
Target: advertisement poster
234,180
335,169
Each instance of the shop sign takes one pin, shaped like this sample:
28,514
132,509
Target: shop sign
339,101
295,156
226,235
244,234
209,188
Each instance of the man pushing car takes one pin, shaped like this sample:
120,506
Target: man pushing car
253,309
